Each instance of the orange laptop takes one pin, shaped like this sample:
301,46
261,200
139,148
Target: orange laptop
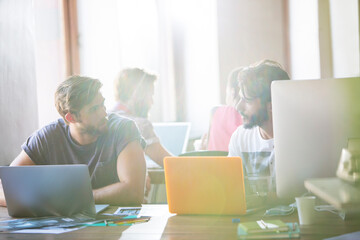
205,185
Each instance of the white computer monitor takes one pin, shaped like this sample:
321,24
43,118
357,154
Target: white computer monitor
313,120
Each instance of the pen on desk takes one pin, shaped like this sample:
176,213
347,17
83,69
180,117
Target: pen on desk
133,221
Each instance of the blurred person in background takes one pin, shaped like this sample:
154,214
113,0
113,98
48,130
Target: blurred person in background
134,90
225,119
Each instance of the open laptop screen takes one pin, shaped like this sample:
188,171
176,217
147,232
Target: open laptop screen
47,190
173,136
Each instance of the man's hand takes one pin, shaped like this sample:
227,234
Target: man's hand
157,153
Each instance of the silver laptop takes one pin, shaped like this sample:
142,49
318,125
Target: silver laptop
174,136
313,120
47,190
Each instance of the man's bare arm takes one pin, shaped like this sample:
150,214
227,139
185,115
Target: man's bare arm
21,159
157,153
131,172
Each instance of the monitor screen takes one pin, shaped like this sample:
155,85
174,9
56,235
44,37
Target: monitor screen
313,120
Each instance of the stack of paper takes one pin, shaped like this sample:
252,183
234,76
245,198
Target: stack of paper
268,230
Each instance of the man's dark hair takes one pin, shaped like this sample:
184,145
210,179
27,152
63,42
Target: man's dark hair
255,80
233,81
129,80
74,93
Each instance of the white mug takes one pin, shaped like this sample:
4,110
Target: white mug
305,207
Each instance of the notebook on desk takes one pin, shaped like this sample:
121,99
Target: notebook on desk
205,185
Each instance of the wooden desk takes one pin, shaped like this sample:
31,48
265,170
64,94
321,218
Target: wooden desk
166,226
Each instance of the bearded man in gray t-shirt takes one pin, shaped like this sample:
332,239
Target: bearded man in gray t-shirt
111,146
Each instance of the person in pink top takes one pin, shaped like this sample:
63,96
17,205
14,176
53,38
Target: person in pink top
224,119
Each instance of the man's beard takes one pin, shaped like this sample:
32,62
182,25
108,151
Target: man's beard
257,119
95,131
91,130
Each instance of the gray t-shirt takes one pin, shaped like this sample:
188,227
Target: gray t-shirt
53,144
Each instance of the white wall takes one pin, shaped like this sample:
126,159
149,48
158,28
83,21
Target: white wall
18,105
99,49
345,37
196,23
49,56
31,67
250,31
304,39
